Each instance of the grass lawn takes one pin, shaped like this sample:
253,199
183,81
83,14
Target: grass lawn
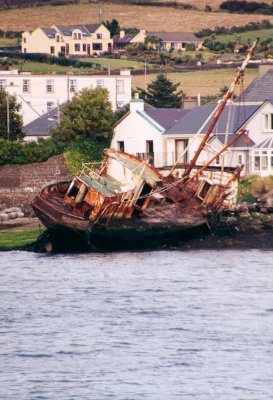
17,238
207,83
245,37
117,63
39,68
142,17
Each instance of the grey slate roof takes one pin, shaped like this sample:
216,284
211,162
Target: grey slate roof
123,40
40,126
193,120
265,144
88,29
240,142
166,117
176,37
50,32
259,90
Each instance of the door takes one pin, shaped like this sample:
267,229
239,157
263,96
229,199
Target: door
180,146
67,49
88,49
150,149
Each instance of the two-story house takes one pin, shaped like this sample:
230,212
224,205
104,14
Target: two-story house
76,40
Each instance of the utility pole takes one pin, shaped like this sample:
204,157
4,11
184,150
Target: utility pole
8,117
145,75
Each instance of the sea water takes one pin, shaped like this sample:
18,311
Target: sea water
137,325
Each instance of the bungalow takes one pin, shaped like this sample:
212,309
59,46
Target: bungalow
176,40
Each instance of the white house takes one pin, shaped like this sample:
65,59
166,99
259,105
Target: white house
39,94
141,130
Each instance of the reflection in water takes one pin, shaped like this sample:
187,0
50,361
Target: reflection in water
151,325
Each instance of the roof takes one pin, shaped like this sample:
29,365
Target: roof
176,36
166,117
41,126
259,90
265,144
50,32
125,39
239,143
195,118
87,29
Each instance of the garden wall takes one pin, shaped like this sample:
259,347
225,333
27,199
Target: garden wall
18,184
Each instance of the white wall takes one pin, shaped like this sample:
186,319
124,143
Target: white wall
134,131
37,97
255,125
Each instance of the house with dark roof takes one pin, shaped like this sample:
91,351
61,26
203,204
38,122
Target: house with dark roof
76,40
260,89
123,40
141,130
175,40
41,127
189,130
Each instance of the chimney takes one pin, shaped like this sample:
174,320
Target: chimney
121,34
136,104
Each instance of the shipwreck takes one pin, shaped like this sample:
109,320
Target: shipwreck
125,203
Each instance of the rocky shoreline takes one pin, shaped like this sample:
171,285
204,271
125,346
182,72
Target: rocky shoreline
243,227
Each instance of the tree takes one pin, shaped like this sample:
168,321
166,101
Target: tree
88,115
11,122
162,93
112,26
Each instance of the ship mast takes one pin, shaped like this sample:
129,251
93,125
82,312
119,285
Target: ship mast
227,96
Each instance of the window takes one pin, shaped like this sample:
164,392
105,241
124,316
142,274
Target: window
49,105
100,83
97,46
25,50
58,38
72,85
49,85
99,35
268,122
25,40
120,145
120,86
77,47
240,159
52,50
63,49
3,83
75,36
79,36
84,47
26,85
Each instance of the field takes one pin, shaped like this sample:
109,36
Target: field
117,63
244,37
207,83
143,17
201,4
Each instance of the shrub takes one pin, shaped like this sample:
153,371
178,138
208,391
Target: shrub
82,151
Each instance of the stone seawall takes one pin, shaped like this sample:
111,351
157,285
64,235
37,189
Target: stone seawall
18,184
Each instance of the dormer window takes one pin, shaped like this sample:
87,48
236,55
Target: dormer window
99,35
58,38
75,36
79,35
